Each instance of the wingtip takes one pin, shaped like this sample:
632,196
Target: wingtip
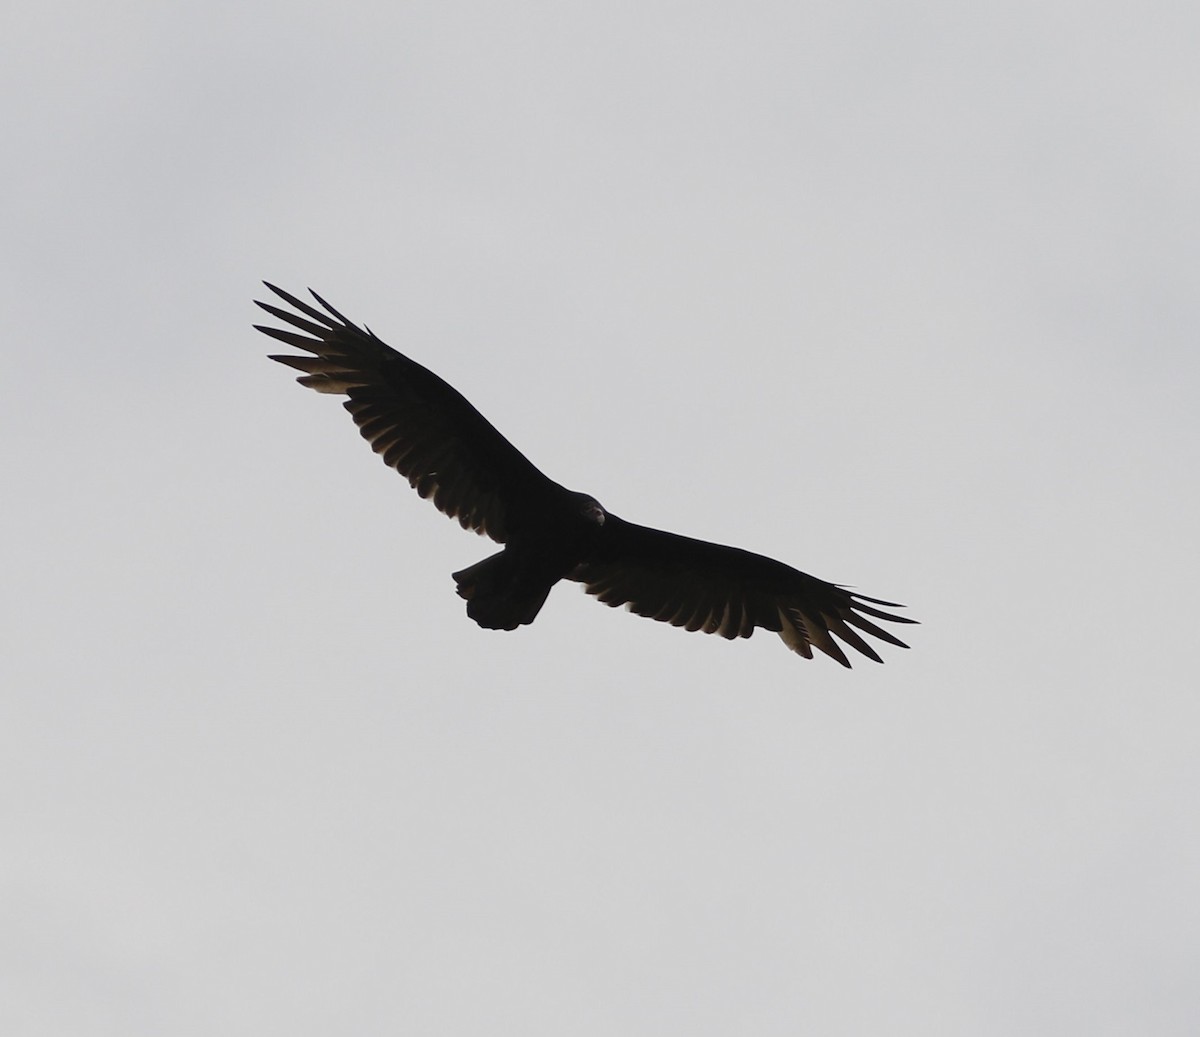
329,309
279,292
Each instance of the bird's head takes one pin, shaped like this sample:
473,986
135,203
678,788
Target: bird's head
590,509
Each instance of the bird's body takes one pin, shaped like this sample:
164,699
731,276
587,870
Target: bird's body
508,589
430,433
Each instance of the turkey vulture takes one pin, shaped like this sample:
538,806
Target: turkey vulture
449,452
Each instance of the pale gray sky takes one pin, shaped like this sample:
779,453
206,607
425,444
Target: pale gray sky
903,294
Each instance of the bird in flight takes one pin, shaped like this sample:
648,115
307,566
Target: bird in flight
449,452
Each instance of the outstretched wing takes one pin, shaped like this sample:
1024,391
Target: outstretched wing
727,591
419,424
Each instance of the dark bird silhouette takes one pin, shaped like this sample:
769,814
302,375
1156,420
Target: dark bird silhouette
450,453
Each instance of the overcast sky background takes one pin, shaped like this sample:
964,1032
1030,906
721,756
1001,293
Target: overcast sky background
903,294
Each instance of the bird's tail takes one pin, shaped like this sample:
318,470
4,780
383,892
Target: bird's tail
496,598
